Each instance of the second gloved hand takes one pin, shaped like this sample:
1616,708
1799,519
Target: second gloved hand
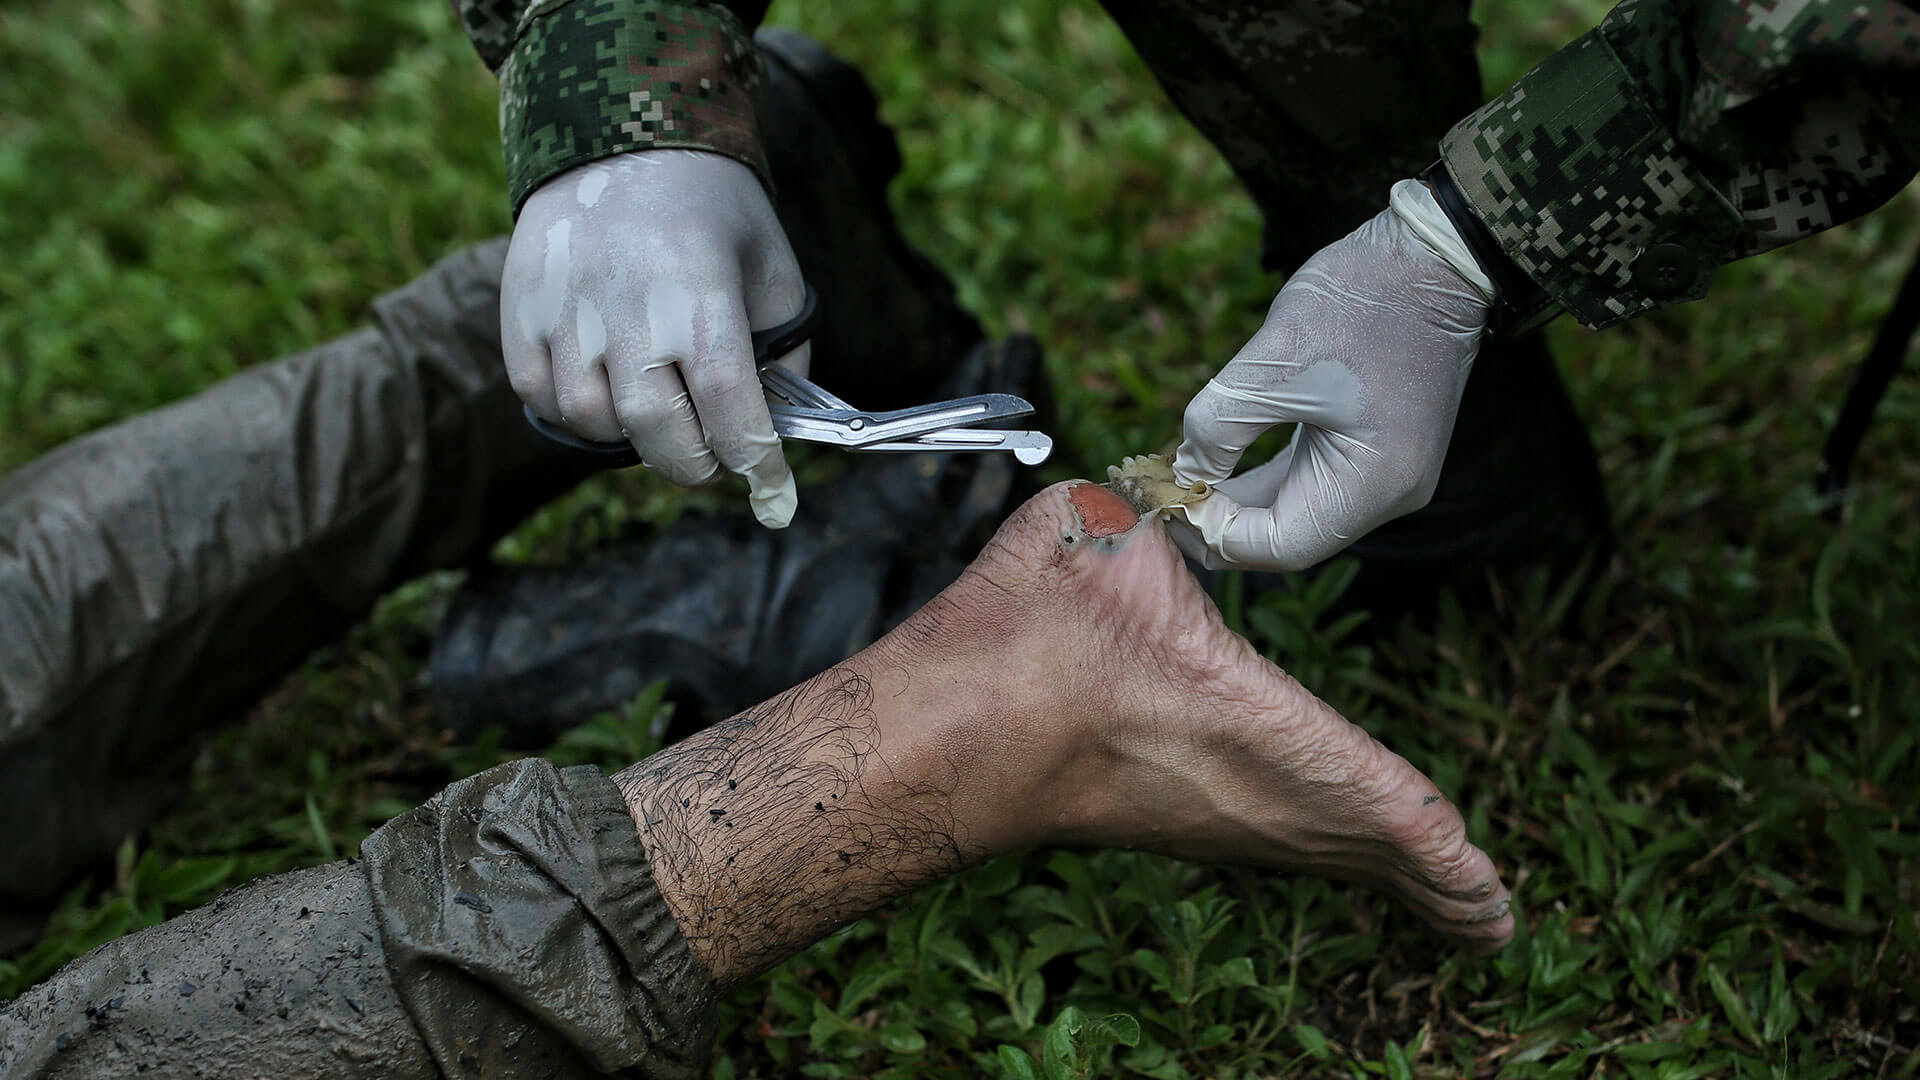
631,288
1367,348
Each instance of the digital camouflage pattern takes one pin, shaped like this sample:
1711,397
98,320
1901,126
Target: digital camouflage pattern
1700,132
1318,103
585,79
1709,129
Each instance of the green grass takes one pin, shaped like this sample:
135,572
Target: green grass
1699,775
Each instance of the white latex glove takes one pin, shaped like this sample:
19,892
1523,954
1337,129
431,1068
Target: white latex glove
1367,348
631,286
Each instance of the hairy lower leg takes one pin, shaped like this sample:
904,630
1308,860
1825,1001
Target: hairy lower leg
770,829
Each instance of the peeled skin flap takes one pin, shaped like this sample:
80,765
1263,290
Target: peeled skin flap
1146,482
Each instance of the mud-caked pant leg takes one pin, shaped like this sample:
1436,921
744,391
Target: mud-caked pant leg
158,575
509,927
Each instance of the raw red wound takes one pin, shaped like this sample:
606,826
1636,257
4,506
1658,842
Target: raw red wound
1101,512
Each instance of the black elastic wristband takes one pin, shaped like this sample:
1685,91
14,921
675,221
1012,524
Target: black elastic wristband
1520,305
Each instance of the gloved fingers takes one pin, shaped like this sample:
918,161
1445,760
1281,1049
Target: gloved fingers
1330,494
657,416
1258,390
725,390
578,346
1189,541
656,342
533,287
1214,432
651,406
1220,533
799,360
1258,486
1249,536
1233,536
771,490
530,373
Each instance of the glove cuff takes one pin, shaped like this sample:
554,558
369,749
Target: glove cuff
1413,204
1520,305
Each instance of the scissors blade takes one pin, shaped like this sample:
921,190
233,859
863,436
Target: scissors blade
1029,447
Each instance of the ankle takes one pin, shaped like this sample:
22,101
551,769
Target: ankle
976,669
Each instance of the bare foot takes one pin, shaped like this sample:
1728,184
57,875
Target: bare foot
1186,741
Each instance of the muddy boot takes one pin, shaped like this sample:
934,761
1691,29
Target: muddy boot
724,610
729,611
159,575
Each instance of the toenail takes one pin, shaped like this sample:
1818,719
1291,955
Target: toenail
1499,911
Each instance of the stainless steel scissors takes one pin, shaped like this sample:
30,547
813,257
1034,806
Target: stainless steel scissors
814,414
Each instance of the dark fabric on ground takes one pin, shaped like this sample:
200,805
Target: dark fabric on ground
726,612
396,968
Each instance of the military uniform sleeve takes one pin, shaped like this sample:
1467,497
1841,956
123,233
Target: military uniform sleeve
586,79
1679,135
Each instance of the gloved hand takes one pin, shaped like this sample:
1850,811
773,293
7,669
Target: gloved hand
630,290
1367,348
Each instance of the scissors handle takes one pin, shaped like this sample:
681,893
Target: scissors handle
768,345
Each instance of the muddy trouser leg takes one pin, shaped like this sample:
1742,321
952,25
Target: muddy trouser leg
157,576
1319,108
509,927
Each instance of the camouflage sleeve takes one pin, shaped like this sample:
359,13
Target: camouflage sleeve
1679,135
587,79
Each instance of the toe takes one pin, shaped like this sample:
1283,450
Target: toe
1452,883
